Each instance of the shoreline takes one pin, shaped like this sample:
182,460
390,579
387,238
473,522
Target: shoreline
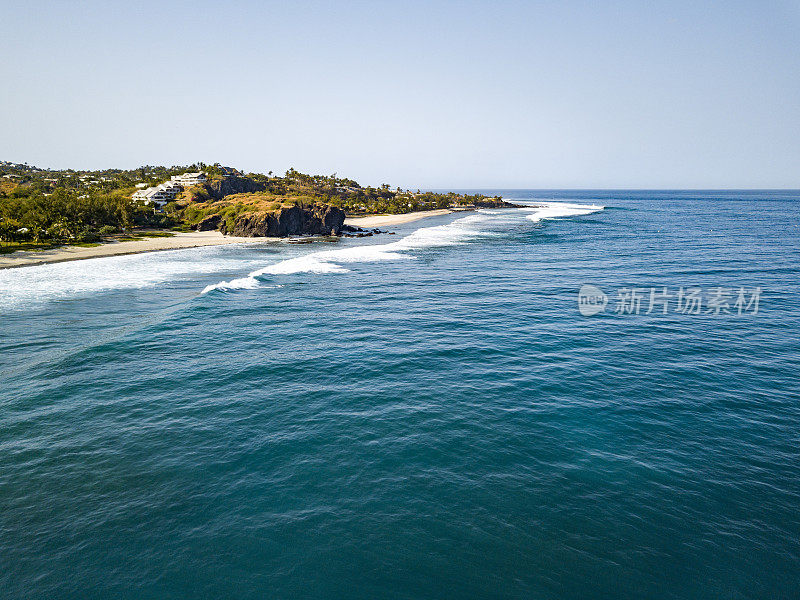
384,220
181,240
194,239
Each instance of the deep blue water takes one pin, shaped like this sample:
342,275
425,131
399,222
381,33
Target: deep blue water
428,419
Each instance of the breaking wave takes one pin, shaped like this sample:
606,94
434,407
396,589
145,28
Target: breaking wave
484,223
29,286
23,287
554,210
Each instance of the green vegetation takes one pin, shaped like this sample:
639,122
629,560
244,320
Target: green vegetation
9,247
234,205
141,235
296,188
41,208
356,200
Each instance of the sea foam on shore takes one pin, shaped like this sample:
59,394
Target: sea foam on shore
485,222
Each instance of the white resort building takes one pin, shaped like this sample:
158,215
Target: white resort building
190,179
165,192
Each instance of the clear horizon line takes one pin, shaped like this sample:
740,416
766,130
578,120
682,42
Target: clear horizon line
615,189
489,188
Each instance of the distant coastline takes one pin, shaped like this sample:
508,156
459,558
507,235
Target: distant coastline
389,220
41,209
193,239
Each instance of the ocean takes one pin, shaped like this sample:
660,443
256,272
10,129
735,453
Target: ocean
596,396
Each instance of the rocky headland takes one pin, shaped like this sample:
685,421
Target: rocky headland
314,219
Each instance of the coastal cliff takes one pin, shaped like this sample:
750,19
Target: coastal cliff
218,189
315,219
43,207
239,208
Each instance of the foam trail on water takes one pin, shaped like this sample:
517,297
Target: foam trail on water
234,284
317,262
29,286
484,223
553,210
327,261
25,287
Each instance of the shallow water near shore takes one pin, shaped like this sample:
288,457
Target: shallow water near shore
422,415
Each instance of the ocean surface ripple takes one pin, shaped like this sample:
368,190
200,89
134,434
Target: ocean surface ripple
424,415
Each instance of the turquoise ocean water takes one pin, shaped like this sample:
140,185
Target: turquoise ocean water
419,415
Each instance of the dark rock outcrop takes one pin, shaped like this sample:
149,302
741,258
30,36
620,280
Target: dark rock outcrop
496,203
233,185
315,219
209,223
357,232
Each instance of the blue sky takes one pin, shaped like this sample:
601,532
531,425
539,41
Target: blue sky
417,94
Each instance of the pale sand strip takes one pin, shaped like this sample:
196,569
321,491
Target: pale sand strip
385,220
192,239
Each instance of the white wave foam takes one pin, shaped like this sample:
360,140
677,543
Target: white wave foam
327,261
368,253
30,286
554,210
482,223
302,264
242,283
318,262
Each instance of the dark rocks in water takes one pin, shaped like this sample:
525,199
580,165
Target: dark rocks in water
315,219
357,232
352,231
209,223
496,203
312,239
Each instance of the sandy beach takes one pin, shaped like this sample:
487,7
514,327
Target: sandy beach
387,220
192,239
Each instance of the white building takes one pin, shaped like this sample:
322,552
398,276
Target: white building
190,179
160,194
166,192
